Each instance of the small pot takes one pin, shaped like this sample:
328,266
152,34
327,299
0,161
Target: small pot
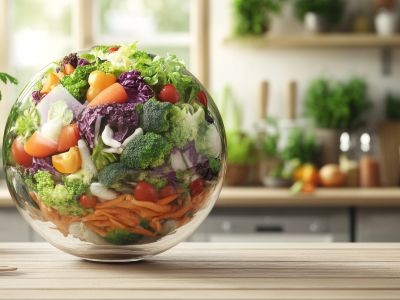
312,22
237,174
385,22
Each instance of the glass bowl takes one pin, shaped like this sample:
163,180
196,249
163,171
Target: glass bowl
114,154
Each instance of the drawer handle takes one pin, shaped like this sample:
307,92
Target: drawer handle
269,228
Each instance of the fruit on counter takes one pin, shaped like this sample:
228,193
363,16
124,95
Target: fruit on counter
19,154
68,138
67,162
307,173
115,93
169,94
98,81
331,176
39,145
51,81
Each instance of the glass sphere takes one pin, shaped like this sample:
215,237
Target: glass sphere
114,154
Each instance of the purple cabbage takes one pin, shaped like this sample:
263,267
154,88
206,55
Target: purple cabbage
37,96
138,91
42,164
122,118
82,62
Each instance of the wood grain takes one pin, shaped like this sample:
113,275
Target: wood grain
209,271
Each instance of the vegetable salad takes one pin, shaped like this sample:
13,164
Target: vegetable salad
115,145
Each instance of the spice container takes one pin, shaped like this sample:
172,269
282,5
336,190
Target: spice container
347,162
369,167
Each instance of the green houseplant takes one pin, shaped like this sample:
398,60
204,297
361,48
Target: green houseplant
240,145
334,107
327,12
252,17
6,78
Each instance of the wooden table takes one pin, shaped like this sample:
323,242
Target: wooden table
209,271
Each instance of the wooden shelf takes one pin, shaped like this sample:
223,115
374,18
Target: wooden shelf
318,41
339,197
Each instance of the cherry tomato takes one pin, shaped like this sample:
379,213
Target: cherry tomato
166,191
19,154
197,186
67,162
145,192
88,201
202,98
169,94
68,138
40,146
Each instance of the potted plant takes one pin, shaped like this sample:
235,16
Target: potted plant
240,146
252,17
335,107
319,15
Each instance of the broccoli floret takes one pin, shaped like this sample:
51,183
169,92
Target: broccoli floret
122,237
76,186
184,124
101,158
154,116
113,173
77,83
215,165
146,151
156,181
61,197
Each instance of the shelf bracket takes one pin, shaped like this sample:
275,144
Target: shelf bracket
386,61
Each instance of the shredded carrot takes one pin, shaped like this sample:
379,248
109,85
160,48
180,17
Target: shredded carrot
156,225
118,224
111,203
140,230
177,214
96,229
167,200
152,206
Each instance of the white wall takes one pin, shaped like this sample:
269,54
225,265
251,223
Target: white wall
243,67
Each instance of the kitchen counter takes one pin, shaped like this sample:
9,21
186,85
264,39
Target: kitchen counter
272,197
208,271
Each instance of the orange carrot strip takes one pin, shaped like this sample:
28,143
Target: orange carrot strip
143,231
99,231
118,224
111,203
115,93
156,225
152,206
167,200
177,214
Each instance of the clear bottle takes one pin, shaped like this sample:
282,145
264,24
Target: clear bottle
347,161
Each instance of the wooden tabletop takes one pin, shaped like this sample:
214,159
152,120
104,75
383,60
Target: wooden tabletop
269,197
208,271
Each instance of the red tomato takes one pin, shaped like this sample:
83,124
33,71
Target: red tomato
40,146
197,186
88,201
166,191
169,94
145,192
19,154
113,49
68,138
202,98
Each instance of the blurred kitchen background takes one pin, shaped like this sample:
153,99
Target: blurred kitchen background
309,91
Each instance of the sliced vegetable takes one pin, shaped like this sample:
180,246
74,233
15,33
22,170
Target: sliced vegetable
102,192
68,69
98,81
202,98
107,137
68,138
169,94
51,81
145,192
19,154
115,93
40,146
166,191
88,201
67,162
87,162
